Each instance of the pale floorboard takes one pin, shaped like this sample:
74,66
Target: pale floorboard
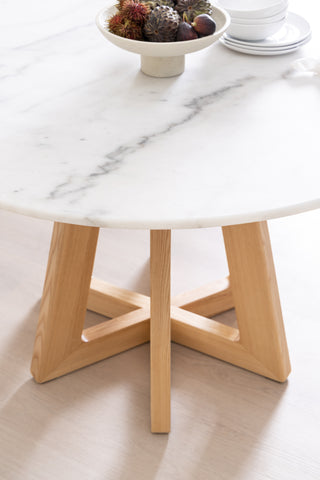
94,424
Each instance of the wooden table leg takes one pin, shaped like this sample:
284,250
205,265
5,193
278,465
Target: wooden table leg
65,296
160,330
259,343
256,297
61,344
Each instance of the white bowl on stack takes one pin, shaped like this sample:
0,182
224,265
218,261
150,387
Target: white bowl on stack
255,19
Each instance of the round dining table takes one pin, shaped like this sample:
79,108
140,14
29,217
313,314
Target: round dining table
88,141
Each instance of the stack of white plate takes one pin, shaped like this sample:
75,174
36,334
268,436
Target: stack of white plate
264,27
255,19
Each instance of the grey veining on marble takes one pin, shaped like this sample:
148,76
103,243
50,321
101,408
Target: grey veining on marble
87,138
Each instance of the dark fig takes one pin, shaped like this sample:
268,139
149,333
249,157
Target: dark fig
186,32
204,25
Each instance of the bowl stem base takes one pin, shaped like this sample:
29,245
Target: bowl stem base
162,66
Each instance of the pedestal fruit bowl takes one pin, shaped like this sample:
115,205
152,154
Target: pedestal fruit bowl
163,59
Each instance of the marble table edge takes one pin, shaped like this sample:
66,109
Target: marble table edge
154,224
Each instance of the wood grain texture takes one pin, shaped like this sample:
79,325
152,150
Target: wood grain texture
64,298
259,345
215,339
112,301
61,344
208,300
160,330
256,297
105,340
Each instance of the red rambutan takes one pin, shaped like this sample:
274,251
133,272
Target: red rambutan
135,11
121,26
114,23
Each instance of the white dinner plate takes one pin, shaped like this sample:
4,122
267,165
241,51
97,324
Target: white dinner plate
295,30
296,45
260,51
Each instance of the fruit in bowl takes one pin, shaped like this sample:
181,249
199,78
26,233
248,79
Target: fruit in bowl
164,57
162,20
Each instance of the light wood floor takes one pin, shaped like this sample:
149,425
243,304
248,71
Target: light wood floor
94,424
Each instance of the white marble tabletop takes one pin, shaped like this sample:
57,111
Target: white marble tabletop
86,138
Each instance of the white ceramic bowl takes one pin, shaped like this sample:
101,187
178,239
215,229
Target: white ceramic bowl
252,8
261,21
163,59
254,32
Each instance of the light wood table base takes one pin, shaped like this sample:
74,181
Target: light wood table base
258,344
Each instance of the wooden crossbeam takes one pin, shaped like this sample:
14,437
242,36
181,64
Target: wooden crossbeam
111,301
208,300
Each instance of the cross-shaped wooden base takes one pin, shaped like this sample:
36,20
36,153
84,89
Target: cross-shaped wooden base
258,344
